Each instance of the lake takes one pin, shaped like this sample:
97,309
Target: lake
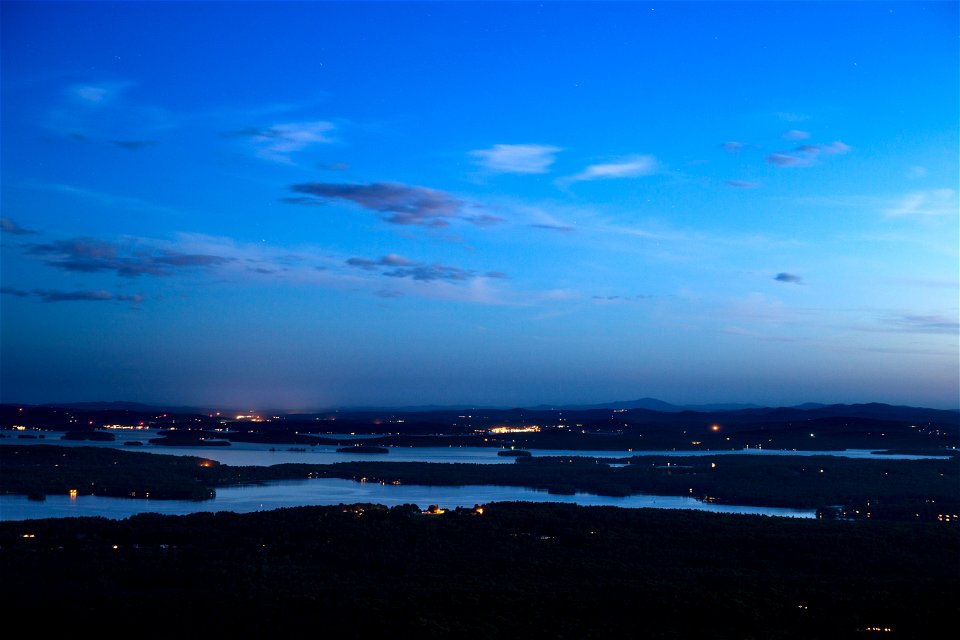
331,491
255,454
328,491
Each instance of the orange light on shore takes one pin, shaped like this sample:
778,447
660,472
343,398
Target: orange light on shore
714,427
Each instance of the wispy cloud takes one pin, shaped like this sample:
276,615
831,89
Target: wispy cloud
836,147
808,149
742,184
133,145
618,299
88,255
631,167
9,226
790,278
105,112
805,154
924,324
790,116
211,261
935,202
516,158
11,291
333,166
395,266
97,95
55,295
796,134
551,216
403,204
926,283
279,141
73,296
108,199
789,160
389,260
553,227
732,146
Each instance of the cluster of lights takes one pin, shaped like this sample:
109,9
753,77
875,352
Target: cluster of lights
528,429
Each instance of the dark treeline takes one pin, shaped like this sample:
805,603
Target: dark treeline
877,489
38,470
518,570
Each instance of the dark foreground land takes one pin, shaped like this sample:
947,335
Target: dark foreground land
516,570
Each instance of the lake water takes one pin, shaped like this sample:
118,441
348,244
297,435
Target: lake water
328,491
254,454
331,491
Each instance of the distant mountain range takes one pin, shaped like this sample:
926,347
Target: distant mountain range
646,404
652,404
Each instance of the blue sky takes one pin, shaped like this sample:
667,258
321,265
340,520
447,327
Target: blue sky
320,204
